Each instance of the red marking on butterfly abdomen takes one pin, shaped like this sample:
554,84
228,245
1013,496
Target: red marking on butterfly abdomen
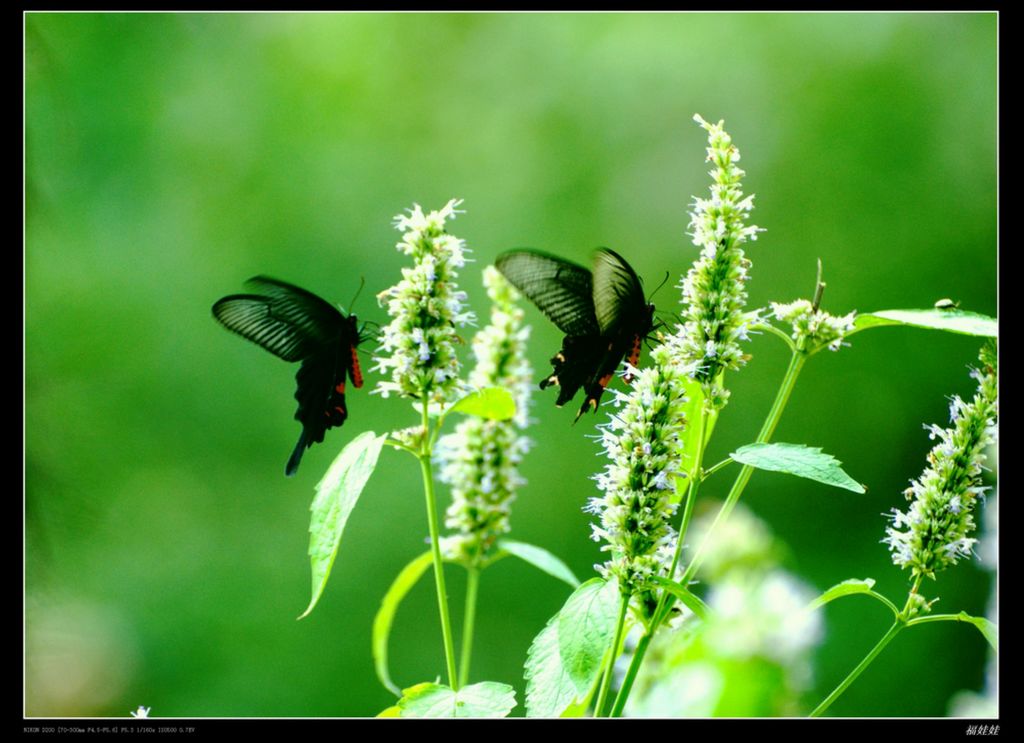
634,354
354,371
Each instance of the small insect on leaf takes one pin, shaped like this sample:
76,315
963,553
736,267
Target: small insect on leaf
946,304
602,312
296,325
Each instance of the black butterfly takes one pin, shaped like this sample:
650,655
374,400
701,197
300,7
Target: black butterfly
295,325
603,314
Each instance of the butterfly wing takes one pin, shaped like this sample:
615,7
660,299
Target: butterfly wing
624,319
320,392
296,325
618,295
290,322
562,290
573,366
322,372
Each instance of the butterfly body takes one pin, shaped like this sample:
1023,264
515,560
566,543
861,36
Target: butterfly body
296,325
602,312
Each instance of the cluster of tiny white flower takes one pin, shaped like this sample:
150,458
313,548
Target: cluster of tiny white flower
480,459
933,533
713,290
426,307
814,328
642,440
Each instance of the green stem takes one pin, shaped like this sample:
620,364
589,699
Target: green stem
472,586
900,623
780,333
634,668
403,447
796,363
886,639
884,600
937,618
606,683
695,480
712,470
910,596
435,550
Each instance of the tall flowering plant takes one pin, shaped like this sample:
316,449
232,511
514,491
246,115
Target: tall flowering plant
935,532
417,351
479,460
656,441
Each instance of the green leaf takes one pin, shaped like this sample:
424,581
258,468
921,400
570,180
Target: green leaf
392,711
951,320
687,597
987,628
799,460
386,614
550,692
846,588
485,699
549,689
541,559
494,403
586,626
579,709
336,496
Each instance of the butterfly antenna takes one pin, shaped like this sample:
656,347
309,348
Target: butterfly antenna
362,283
663,282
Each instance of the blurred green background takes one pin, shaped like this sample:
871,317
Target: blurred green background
171,156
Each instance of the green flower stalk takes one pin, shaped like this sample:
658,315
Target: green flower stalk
480,459
418,348
713,289
814,329
426,306
934,533
714,325
642,441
